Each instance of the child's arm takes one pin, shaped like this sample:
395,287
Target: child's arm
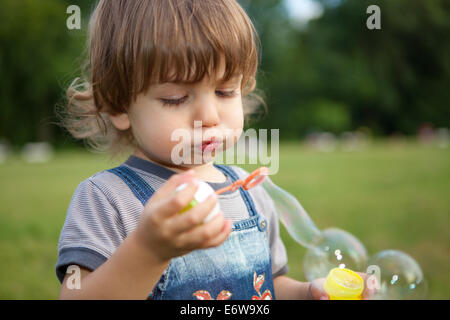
130,273
136,266
289,289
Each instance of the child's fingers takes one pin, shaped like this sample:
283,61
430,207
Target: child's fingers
220,238
370,285
198,236
368,293
317,291
194,216
178,201
171,184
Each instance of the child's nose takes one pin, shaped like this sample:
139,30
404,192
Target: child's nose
206,110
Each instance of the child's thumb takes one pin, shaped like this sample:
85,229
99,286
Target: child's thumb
171,184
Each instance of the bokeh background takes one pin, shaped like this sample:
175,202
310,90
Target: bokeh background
363,118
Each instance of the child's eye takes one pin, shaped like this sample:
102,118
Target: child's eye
173,102
177,102
226,93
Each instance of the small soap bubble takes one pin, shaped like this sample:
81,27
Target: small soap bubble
400,275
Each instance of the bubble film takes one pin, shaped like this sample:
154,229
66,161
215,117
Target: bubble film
400,276
335,249
295,219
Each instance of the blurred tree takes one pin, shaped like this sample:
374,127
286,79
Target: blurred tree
393,78
332,74
390,80
322,114
38,56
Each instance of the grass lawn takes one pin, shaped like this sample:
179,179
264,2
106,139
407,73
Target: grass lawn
391,196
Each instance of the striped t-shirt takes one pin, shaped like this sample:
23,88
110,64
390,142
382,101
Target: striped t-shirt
104,210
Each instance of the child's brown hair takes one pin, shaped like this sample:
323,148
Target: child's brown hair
135,43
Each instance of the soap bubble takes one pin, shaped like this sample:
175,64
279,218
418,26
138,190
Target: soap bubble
335,249
400,276
297,222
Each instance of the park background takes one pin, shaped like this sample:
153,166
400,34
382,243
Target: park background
363,118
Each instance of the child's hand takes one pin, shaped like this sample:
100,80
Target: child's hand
168,234
318,293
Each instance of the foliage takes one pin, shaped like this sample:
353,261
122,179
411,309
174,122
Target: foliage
334,74
390,80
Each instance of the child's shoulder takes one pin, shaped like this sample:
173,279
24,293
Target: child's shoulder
104,182
102,178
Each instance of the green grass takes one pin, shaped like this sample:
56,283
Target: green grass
389,196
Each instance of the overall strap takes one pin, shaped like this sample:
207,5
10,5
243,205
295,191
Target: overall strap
141,189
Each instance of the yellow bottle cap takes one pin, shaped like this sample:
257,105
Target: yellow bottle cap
344,284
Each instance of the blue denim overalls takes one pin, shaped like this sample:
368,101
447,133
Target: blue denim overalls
240,268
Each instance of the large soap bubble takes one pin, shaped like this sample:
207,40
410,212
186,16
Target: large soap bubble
400,276
297,222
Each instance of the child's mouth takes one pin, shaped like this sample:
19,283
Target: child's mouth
209,146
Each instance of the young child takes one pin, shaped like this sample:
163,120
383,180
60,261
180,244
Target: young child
157,66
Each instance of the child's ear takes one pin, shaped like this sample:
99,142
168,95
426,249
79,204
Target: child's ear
120,121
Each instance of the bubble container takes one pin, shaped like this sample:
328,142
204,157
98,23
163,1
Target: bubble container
343,284
203,191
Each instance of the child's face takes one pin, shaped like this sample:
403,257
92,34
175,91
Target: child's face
171,107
